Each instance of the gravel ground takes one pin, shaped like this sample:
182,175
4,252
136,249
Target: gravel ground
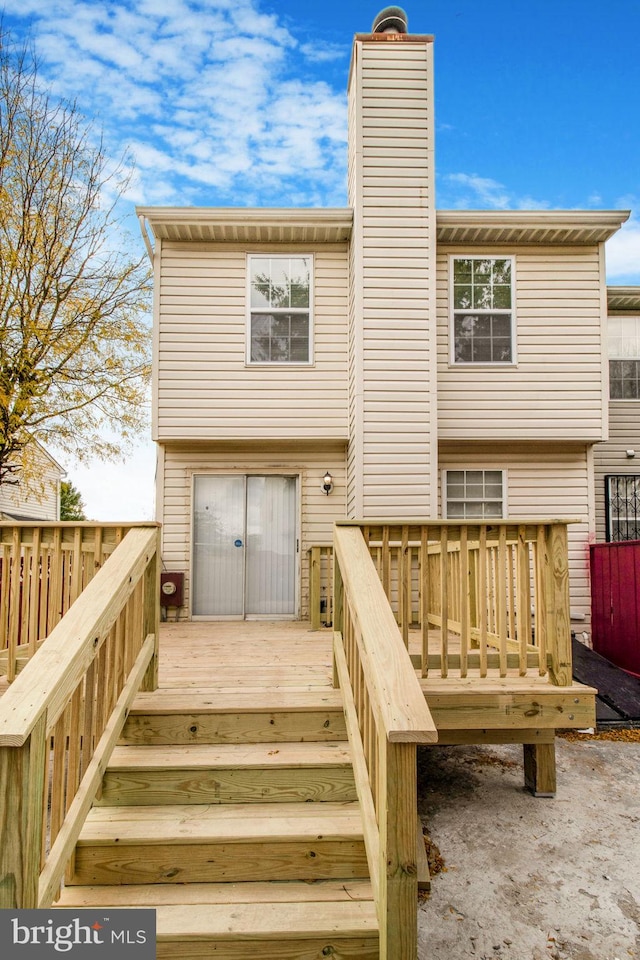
527,878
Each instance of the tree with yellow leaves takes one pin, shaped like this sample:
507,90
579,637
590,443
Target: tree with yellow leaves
74,331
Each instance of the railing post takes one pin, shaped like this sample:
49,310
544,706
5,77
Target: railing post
398,910
314,587
557,600
151,617
22,785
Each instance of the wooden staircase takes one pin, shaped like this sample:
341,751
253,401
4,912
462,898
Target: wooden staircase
235,815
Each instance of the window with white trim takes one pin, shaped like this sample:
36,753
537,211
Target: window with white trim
622,494
482,321
624,358
475,494
280,321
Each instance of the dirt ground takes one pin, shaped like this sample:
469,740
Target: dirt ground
527,878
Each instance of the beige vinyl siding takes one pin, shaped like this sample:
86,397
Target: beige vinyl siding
38,496
611,457
555,390
392,402
205,389
317,511
546,481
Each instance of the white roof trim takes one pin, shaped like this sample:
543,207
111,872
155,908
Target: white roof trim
250,224
623,298
528,226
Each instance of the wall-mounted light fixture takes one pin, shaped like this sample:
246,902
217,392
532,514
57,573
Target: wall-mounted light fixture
631,454
327,483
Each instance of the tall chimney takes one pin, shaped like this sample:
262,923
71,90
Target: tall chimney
392,462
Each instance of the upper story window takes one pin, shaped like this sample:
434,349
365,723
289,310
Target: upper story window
473,494
482,322
280,321
624,358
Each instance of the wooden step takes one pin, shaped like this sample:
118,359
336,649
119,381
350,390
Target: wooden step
234,921
172,716
229,773
214,843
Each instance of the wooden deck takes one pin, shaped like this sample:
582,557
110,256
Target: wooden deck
233,656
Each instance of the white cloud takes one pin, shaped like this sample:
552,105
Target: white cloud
623,253
471,190
201,93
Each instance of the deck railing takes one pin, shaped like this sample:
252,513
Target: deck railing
44,567
62,716
387,716
503,587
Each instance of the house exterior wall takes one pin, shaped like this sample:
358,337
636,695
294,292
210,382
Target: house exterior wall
554,391
179,462
204,388
392,403
542,480
611,457
39,497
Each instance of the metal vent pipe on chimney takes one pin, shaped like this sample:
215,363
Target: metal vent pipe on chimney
390,20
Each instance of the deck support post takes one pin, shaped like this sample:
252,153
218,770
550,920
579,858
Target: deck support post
398,906
22,785
540,768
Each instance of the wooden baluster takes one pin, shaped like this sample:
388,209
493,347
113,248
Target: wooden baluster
34,590
386,562
14,602
424,598
502,581
483,561
55,601
464,588
542,561
523,599
444,602
5,591
76,565
404,585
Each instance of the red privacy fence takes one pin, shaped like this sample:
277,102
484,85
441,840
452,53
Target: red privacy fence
615,602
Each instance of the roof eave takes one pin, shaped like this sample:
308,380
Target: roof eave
528,226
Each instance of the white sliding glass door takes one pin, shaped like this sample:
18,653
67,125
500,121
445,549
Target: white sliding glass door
244,546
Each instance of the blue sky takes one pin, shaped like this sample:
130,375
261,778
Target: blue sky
242,102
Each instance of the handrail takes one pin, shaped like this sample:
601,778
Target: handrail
387,716
63,714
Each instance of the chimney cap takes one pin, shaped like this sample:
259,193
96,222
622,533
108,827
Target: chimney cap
390,20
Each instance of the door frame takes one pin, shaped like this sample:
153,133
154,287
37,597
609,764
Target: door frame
296,474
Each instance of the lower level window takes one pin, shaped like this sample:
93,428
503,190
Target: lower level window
623,507
474,494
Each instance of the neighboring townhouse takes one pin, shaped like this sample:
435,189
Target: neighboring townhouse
617,461
35,496
384,360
